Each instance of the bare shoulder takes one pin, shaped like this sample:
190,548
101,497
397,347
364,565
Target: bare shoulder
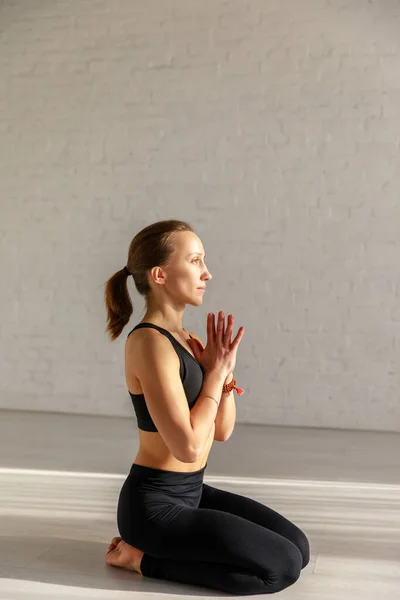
136,338
143,337
145,342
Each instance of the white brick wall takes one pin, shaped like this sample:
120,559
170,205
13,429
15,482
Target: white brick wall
273,127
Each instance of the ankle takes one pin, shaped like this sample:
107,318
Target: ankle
139,564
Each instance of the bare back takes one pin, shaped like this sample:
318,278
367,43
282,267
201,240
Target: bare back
153,451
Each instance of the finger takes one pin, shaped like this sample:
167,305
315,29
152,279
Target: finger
220,327
238,337
191,346
210,329
198,344
195,346
228,332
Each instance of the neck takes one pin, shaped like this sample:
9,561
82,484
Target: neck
173,327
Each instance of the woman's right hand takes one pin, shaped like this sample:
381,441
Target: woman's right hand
219,353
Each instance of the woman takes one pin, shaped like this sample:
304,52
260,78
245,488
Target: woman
172,525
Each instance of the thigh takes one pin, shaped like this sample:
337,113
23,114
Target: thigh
257,513
219,550
205,534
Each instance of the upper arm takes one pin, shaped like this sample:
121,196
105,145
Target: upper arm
157,368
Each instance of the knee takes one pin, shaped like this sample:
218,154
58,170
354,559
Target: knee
303,545
286,573
277,577
291,567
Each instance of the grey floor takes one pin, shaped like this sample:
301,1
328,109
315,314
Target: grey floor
60,477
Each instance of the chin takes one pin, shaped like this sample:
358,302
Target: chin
195,301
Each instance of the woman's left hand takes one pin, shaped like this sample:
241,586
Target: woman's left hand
200,347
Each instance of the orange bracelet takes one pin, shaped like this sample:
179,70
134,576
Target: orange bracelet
228,387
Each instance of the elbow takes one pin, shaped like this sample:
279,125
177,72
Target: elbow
222,436
188,455
222,439
192,456
192,451
184,449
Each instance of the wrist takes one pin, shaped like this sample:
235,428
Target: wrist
228,378
215,376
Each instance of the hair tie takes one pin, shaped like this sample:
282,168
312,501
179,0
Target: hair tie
126,271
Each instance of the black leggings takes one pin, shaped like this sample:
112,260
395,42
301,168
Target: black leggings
194,533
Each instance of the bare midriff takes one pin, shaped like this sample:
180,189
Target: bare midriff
153,451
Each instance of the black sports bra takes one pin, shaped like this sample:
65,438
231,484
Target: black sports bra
191,374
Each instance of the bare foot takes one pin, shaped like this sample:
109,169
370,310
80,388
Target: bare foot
114,543
123,555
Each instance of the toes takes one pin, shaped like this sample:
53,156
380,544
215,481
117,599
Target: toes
113,555
110,557
114,543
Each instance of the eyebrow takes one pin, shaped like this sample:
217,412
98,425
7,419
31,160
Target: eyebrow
199,253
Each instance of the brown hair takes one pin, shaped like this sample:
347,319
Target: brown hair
151,247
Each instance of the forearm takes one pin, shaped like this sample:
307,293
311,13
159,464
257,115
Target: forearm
203,413
226,415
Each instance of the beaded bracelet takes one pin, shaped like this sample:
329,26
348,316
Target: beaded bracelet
228,387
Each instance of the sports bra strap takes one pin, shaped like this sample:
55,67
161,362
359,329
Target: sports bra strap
146,324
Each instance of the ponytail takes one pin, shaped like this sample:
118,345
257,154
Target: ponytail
118,303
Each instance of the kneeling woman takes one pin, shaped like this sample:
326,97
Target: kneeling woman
172,525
